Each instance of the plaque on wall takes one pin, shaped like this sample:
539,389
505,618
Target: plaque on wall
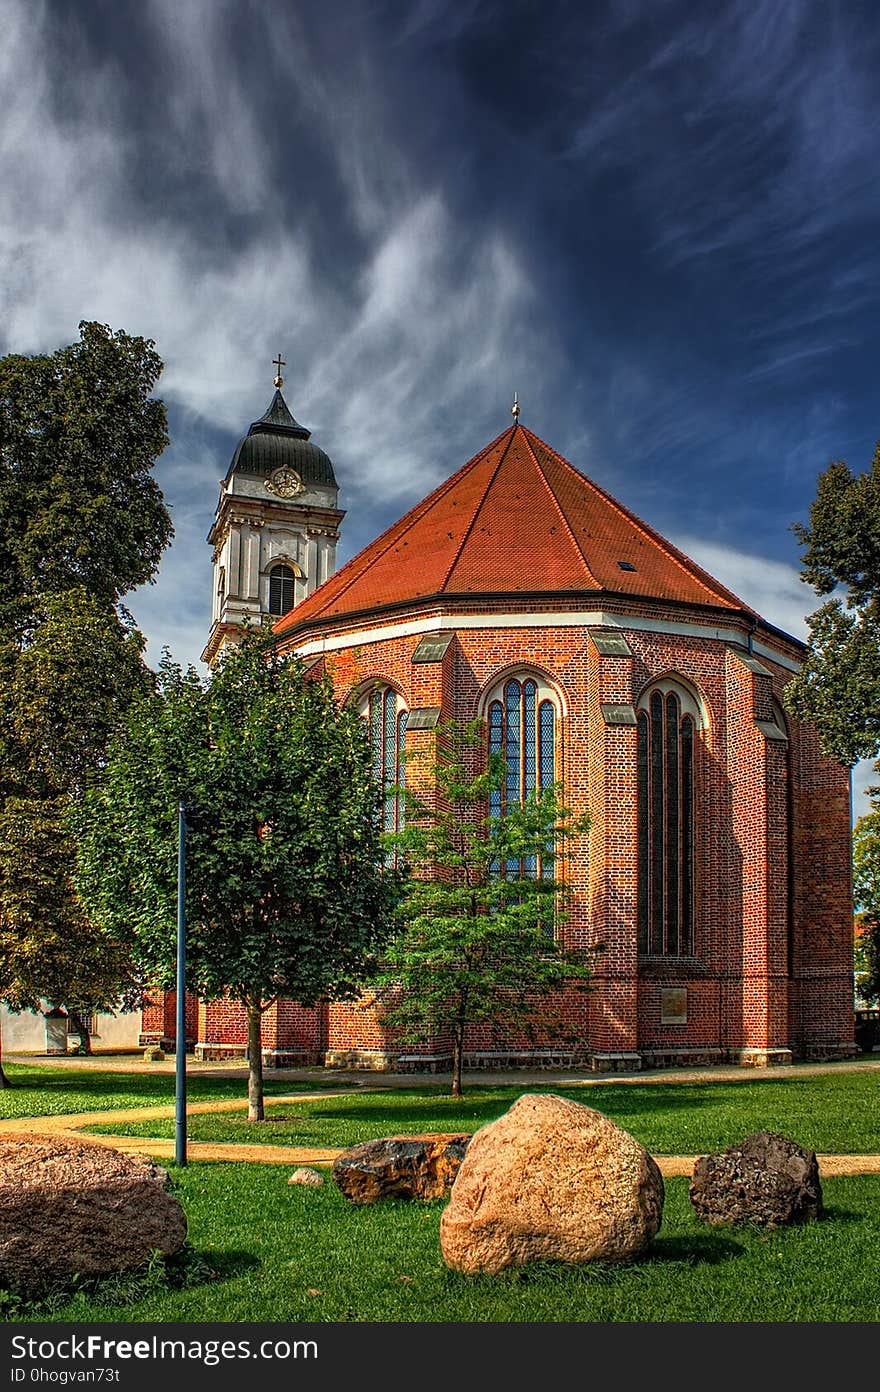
618,714
673,1005
608,643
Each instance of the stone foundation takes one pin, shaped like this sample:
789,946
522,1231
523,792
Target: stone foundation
694,1057
623,1062
372,1060
824,1053
272,1058
761,1058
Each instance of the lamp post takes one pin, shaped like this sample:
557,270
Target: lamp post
180,1032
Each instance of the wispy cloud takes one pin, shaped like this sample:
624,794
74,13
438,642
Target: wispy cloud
383,372
656,225
774,590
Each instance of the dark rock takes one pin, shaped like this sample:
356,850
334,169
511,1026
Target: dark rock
767,1179
408,1167
70,1207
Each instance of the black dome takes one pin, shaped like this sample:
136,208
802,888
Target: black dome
277,439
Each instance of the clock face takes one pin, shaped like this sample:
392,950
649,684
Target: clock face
286,483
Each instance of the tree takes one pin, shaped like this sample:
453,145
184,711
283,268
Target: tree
48,948
838,685
81,523
79,435
286,892
63,691
866,892
479,930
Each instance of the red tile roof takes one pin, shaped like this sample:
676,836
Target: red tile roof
517,518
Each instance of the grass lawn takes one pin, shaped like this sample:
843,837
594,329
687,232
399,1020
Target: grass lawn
830,1113
263,1250
46,1091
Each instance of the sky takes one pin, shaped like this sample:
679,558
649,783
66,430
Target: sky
657,222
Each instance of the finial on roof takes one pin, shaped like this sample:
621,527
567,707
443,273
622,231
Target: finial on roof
279,363
514,410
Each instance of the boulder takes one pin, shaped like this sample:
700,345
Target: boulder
407,1167
72,1207
767,1179
551,1180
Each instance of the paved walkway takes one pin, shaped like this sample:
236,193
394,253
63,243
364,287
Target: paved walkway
71,1124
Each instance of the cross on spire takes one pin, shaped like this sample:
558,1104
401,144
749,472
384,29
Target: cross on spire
279,362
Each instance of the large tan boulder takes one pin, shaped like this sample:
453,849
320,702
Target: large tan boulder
550,1180
69,1206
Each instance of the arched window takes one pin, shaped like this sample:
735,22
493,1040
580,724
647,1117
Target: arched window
668,719
386,716
282,580
522,727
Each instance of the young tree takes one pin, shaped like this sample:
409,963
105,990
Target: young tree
481,912
286,892
838,686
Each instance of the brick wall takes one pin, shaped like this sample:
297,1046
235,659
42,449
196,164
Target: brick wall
771,966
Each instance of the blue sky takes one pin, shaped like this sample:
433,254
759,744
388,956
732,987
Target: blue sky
657,221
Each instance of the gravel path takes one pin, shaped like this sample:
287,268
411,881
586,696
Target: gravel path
71,1123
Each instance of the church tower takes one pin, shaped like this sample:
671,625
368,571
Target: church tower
276,527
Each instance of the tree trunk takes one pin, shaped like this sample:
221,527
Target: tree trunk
4,1081
85,1039
255,1061
457,1050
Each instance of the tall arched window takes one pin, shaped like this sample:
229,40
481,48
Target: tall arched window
668,719
386,716
282,580
522,727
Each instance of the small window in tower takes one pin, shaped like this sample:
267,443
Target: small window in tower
281,589
626,565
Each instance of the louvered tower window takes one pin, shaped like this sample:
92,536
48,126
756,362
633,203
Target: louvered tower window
281,589
667,725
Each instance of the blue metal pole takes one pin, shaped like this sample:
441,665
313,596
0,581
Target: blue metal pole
180,1032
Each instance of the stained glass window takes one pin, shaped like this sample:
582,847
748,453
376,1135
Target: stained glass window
522,728
386,717
665,792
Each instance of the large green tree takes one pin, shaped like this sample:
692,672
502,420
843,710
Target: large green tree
63,692
866,893
80,432
838,686
479,939
286,890
82,522
48,948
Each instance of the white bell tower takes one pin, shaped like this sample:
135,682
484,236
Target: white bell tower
276,527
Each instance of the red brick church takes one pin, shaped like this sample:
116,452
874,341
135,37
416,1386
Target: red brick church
717,866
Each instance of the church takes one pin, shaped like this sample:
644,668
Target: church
716,871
